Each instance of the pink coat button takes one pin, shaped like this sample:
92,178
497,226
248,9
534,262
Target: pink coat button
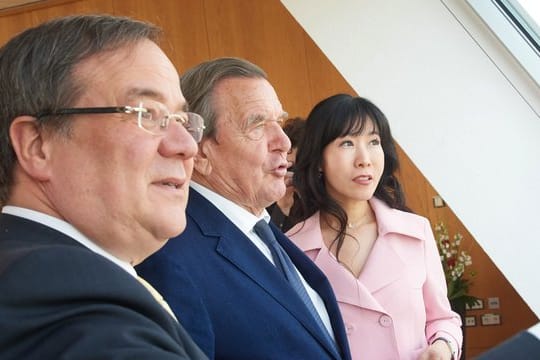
385,321
349,328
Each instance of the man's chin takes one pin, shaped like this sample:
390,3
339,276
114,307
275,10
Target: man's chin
172,229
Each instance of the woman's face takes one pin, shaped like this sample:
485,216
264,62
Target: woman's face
352,165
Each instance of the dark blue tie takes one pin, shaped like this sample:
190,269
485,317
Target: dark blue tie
286,268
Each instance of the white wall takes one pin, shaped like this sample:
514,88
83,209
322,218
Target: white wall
458,104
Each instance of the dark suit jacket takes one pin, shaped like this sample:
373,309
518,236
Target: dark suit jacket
522,346
60,300
232,300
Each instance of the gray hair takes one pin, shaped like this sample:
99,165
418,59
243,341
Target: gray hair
36,71
199,82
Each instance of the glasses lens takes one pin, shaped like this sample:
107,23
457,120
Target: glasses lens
155,118
151,117
195,125
146,121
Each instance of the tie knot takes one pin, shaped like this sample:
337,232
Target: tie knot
262,229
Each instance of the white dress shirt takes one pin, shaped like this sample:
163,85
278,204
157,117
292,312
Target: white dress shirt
68,230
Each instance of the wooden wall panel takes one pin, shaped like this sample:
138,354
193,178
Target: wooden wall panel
64,8
183,22
14,20
12,25
265,33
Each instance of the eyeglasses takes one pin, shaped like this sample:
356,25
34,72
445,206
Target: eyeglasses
153,117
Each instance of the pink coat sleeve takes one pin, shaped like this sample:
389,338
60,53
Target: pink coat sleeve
441,321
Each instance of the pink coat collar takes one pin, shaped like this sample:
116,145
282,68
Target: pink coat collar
390,221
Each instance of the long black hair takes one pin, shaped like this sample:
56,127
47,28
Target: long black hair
338,116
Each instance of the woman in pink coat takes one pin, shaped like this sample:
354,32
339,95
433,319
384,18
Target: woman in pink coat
381,259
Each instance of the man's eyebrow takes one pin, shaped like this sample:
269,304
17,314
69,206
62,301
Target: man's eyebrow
256,118
155,95
144,92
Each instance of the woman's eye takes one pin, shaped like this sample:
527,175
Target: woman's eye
375,142
346,143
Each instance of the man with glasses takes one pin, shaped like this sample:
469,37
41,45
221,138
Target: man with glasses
240,287
96,149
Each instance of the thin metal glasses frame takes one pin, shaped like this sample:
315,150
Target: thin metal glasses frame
193,122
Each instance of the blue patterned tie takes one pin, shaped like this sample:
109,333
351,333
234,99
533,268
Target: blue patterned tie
286,268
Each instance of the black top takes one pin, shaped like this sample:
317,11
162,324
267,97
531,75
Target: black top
282,221
60,300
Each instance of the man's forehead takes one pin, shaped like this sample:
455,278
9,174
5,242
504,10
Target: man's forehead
250,95
246,88
143,92
132,73
137,93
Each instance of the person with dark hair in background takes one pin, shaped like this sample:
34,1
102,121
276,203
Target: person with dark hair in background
96,153
381,259
241,288
282,211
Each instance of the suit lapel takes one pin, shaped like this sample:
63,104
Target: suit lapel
382,253
318,282
244,255
343,281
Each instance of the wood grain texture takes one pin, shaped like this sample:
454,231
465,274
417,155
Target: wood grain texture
265,33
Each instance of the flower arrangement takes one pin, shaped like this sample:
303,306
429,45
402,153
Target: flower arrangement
454,261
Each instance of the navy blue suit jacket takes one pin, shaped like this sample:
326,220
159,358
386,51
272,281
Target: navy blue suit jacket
60,300
232,300
523,346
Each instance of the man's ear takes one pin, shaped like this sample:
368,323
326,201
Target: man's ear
30,149
202,163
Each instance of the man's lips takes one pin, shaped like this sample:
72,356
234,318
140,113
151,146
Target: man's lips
175,183
280,169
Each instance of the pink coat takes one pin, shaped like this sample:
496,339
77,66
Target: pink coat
398,303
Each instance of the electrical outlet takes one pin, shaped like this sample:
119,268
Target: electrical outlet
470,320
493,303
491,319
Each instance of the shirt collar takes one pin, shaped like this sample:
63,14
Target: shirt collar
239,216
68,230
